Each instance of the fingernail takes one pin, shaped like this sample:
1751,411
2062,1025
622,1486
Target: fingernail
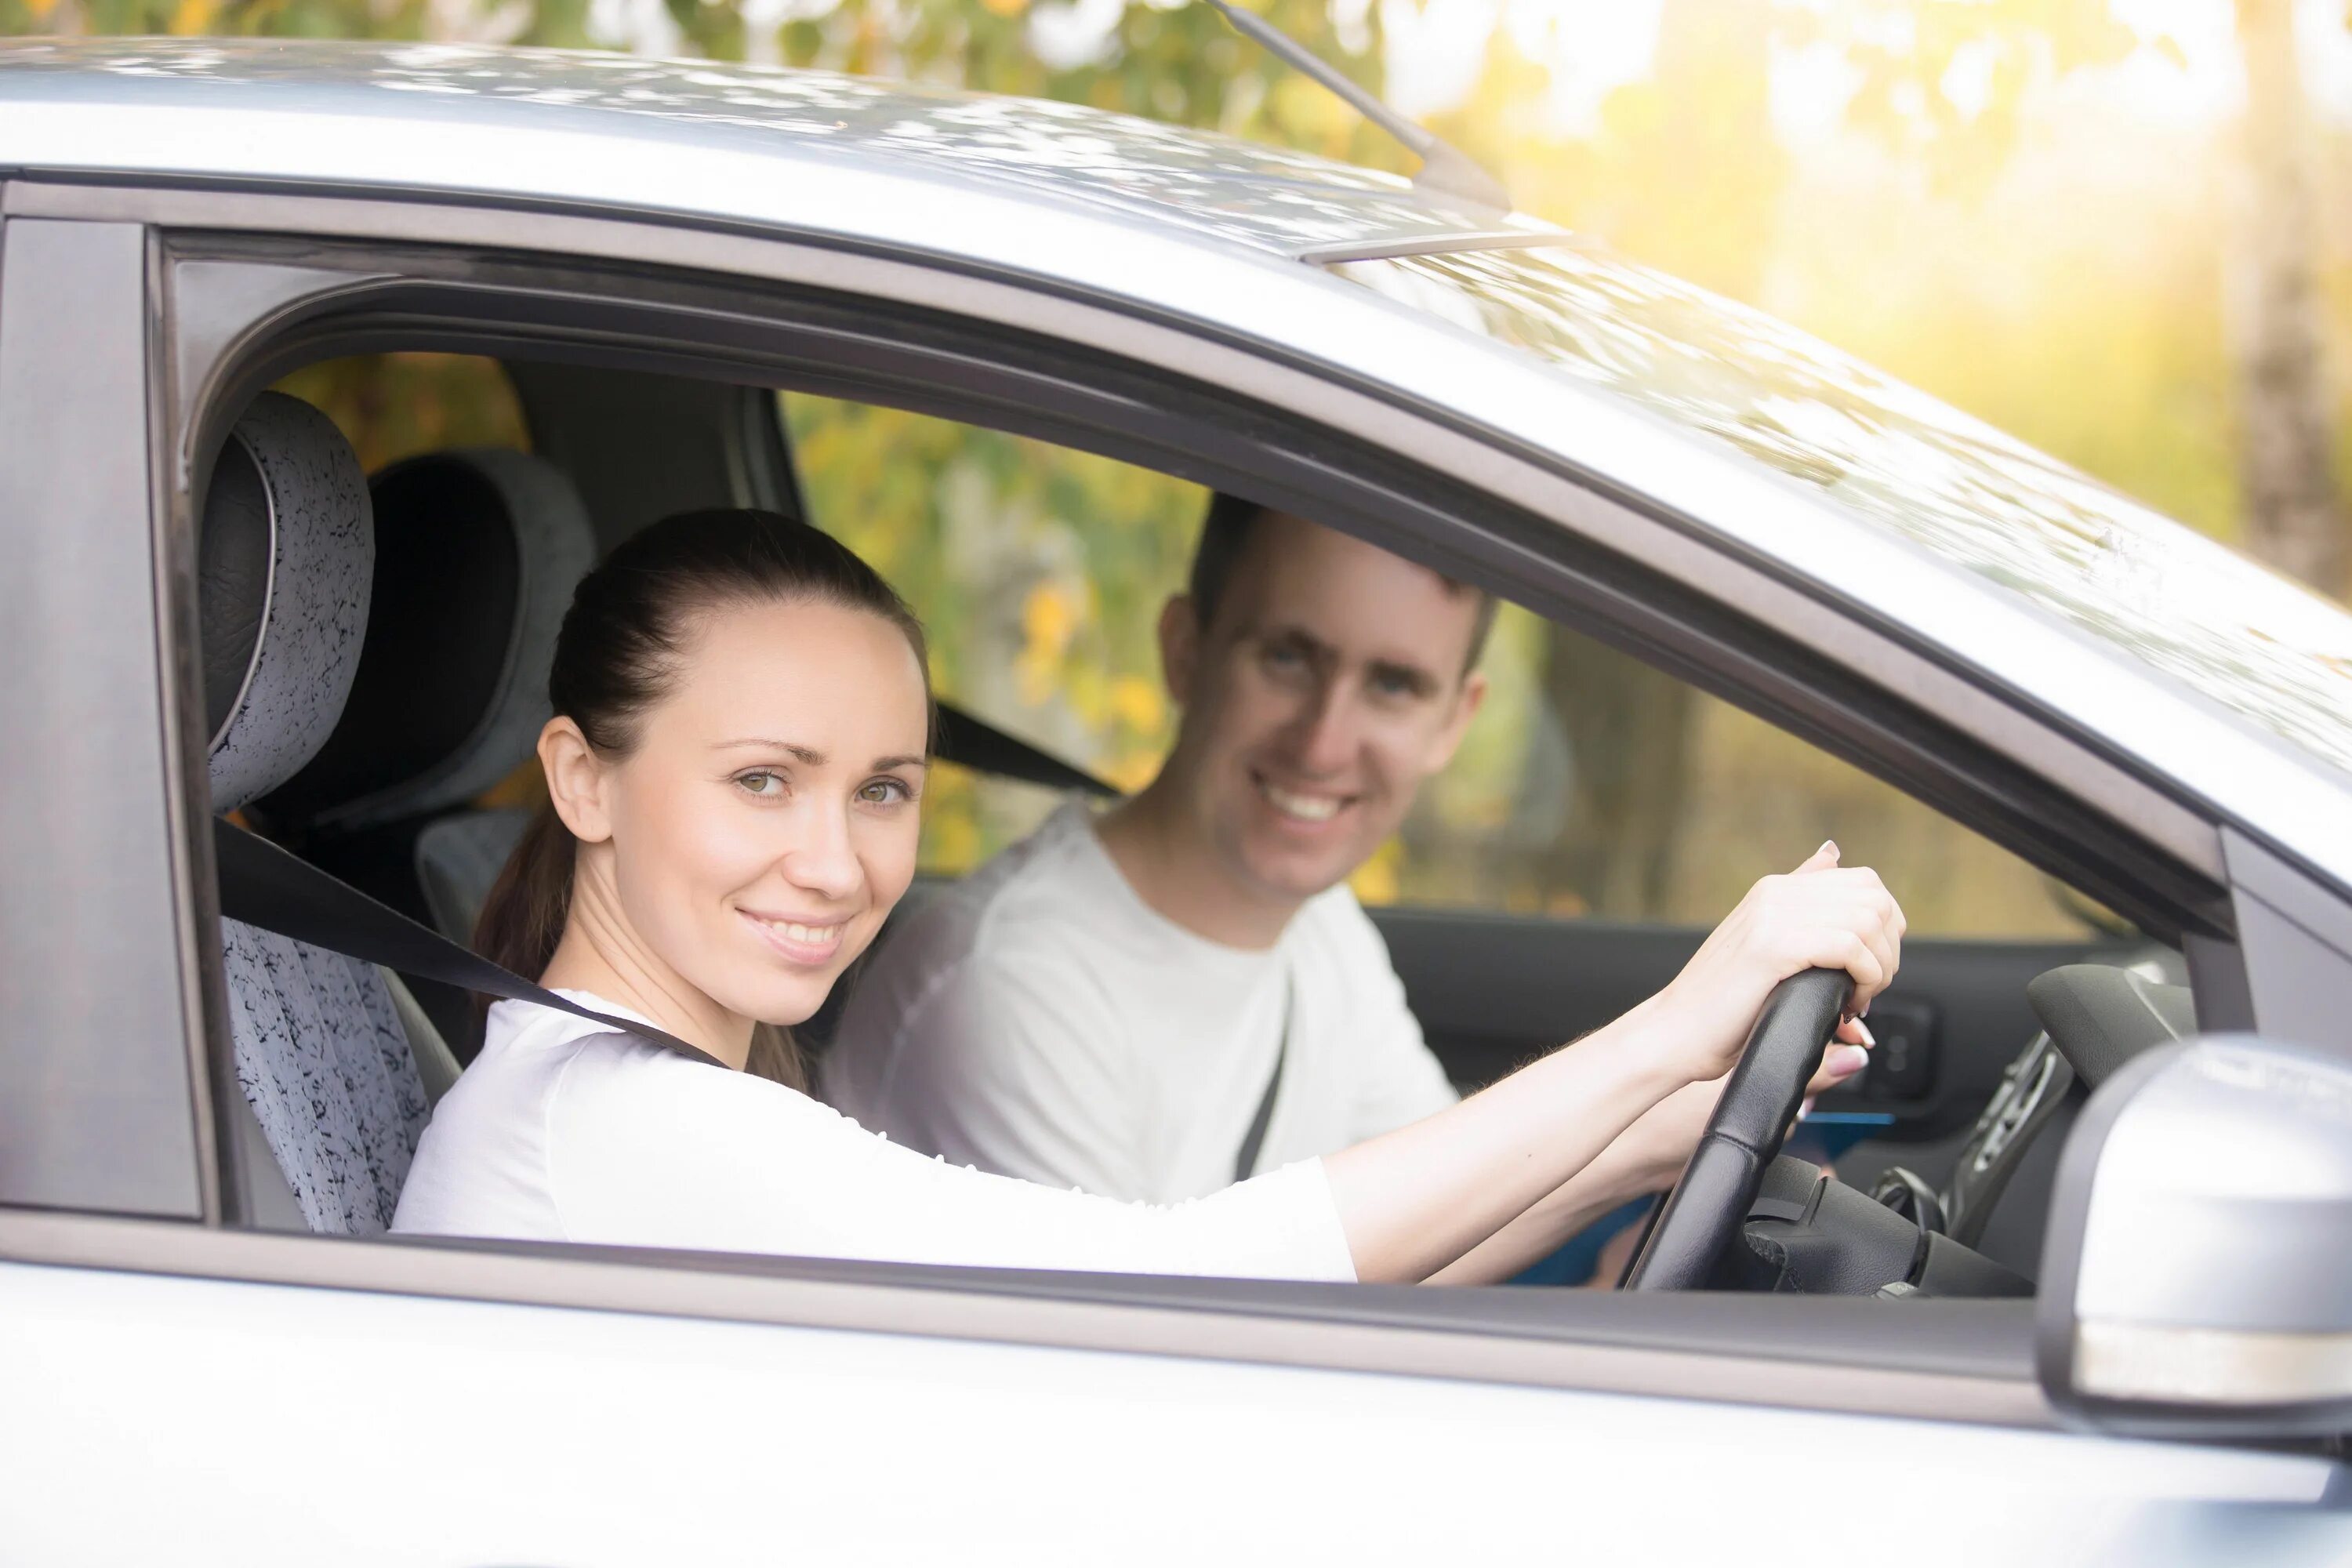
1829,846
1864,1030
1849,1060
1805,1109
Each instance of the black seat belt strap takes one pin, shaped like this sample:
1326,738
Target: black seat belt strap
262,885
1246,1160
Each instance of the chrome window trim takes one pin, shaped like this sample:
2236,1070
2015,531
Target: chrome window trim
1706,564
1062,1311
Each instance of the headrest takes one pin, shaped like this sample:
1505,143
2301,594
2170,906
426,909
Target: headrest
477,554
284,552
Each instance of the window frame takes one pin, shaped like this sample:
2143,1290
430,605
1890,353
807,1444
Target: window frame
1399,476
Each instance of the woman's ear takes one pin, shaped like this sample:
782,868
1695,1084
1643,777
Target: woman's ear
575,780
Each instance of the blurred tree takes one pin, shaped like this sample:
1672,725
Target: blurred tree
1945,82
1698,126
2286,415
1629,725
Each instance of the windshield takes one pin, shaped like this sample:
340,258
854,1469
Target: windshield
2223,626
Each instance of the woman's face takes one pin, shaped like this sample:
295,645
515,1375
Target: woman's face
765,823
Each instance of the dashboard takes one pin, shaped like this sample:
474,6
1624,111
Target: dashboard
1978,1234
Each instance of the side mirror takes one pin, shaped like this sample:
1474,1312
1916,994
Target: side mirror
2197,1279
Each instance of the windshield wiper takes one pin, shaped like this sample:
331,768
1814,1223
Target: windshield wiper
1443,167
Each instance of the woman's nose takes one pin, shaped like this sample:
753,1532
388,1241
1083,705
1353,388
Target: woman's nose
823,861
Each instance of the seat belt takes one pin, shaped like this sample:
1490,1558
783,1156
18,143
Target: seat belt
1246,1159
969,743
262,885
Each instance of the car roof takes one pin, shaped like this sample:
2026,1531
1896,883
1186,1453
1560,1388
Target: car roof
1152,173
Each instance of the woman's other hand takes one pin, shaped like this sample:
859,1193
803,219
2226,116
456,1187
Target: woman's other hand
1820,916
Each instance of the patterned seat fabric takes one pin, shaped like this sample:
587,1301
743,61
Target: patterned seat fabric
326,1067
284,557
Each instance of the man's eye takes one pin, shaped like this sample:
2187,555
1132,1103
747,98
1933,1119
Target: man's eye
1284,658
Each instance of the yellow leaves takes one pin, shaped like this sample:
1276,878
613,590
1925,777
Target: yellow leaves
191,19
1378,881
1312,116
1139,704
1049,617
1007,8
38,10
951,843
1132,770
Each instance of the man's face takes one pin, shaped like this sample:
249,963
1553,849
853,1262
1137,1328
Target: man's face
1329,685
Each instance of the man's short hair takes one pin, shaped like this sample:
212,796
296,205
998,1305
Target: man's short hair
1225,534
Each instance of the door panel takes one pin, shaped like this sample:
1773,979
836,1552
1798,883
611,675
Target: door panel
258,1425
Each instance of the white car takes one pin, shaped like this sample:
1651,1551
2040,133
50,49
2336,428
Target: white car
209,1352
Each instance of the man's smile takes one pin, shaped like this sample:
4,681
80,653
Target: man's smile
1313,806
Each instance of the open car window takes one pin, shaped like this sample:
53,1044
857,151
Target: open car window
1589,784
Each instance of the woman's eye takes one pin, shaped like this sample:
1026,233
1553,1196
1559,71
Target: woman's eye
885,792
760,783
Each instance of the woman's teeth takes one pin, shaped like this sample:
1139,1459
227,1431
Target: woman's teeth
1305,807
807,936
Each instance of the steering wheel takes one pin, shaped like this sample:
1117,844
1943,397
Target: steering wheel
1709,1203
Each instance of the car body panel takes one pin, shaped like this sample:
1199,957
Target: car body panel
465,1432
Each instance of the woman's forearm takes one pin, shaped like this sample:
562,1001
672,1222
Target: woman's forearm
1492,1175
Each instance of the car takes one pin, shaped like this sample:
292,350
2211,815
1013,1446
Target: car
2036,1323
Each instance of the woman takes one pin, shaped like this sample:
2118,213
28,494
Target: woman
735,770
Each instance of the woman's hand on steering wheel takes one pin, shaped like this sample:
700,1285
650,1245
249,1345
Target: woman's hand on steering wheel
1820,916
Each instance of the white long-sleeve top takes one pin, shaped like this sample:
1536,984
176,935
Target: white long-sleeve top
563,1130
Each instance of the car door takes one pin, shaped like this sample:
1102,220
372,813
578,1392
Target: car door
180,1383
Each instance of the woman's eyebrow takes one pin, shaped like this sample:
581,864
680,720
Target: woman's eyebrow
808,755
913,760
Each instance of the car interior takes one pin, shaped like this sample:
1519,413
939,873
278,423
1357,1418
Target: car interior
456,539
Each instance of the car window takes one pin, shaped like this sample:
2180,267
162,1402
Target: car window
396,405
1590,785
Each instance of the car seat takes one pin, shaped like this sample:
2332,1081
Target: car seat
284,549
477,554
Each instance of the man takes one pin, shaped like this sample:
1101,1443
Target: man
1150,1003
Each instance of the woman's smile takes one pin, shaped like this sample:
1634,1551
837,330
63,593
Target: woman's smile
799,940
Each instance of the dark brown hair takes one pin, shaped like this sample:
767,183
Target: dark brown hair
1226,533
623,643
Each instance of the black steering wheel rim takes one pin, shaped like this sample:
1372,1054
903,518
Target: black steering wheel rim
1710,1200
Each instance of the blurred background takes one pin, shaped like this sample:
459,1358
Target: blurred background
2117,229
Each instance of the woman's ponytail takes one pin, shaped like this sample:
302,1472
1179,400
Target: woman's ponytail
522,919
